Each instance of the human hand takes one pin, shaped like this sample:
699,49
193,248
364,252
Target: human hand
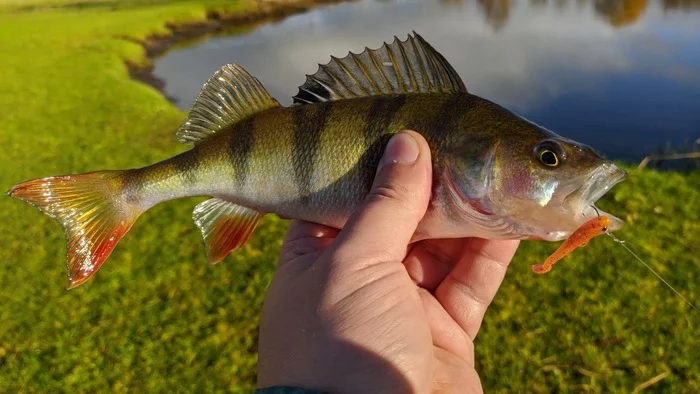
362,310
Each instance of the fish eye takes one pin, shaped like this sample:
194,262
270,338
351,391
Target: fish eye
550,153
548,158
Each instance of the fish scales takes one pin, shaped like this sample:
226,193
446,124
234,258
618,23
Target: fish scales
309,124
496,175
335,148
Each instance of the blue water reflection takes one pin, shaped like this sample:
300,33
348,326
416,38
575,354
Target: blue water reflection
622,76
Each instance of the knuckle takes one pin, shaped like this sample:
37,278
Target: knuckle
399,196
469,291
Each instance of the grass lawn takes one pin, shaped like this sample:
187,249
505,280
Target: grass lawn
158,318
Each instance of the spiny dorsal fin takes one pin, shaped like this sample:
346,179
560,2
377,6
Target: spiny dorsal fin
411,66
225,226
228,97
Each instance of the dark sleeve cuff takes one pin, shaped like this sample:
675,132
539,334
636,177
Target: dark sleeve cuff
286,390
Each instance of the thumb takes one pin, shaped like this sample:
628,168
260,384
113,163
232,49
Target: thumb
383,226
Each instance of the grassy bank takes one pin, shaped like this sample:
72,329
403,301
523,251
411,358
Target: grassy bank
158,318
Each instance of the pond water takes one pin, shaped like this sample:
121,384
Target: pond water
622,76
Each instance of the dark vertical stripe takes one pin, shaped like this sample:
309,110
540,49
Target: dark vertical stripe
442,128
438,131
183,165
132,183
240,147
381,114
309,121
187,164
378,122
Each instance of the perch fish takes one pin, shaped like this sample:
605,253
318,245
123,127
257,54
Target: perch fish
496,174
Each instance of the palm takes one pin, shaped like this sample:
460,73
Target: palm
456,280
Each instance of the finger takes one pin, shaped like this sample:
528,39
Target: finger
303,229
469,288
381,228
446,333
304,238
429,261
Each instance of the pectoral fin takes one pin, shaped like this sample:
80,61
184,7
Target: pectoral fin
225,226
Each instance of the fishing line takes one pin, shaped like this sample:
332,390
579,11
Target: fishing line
621,242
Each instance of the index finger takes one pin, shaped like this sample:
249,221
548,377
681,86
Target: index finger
468,289
303,238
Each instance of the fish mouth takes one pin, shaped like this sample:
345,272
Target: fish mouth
598,183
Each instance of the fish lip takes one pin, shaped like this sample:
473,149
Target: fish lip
611,176
599,182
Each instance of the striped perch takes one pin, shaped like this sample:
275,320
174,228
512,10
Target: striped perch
496,175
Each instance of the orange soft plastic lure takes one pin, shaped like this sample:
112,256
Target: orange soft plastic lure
580,237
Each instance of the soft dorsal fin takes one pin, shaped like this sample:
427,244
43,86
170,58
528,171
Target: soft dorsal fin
411,66
228,97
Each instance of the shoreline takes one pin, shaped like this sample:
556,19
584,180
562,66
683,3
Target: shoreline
215,21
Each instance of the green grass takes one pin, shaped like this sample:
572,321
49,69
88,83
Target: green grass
158,318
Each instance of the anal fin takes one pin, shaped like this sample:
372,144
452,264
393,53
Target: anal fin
225,226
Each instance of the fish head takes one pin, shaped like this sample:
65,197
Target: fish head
530,183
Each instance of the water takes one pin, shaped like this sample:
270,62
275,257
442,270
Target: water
624,78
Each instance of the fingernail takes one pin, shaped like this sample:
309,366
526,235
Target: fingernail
401,149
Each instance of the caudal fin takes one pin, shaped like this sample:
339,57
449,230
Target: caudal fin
91,209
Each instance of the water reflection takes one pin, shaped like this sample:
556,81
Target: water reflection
681,4
496,12
622,76
618,13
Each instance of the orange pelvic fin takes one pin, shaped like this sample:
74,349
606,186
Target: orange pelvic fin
225,226
580,237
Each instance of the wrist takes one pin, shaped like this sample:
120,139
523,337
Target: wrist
329,366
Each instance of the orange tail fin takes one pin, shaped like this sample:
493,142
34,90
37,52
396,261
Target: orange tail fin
91,209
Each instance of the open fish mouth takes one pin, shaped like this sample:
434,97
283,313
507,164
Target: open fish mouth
593,188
